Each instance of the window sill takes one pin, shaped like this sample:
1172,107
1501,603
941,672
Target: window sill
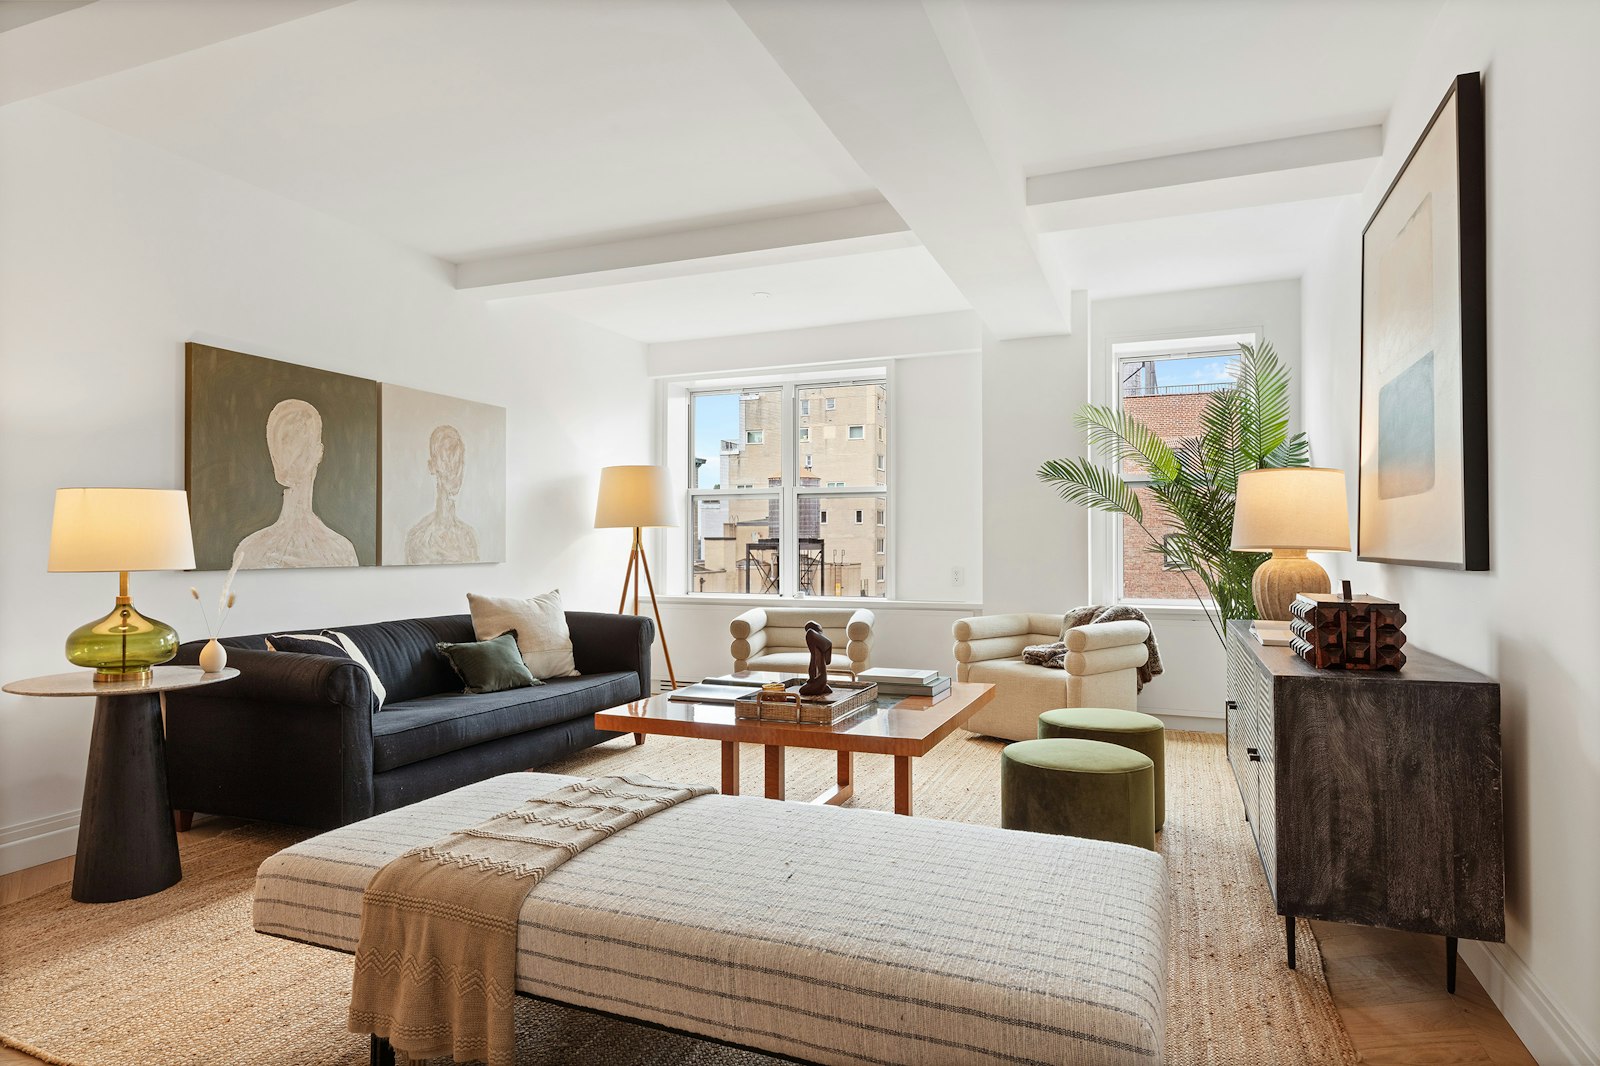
870,603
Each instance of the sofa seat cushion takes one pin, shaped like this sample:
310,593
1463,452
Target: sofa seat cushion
405,733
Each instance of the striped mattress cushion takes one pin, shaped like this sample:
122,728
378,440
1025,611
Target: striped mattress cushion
826,934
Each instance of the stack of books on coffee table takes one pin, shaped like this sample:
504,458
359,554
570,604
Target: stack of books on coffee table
899,682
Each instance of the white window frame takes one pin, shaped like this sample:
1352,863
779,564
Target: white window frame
790,492
1105,530
755,436
855,432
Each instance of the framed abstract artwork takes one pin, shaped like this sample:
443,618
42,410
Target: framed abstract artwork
443,480
282,463
1424,475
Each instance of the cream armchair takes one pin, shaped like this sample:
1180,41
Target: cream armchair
774,638
1102,668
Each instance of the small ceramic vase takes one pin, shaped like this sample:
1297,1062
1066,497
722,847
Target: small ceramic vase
213,657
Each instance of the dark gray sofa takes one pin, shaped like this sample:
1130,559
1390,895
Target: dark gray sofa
294,738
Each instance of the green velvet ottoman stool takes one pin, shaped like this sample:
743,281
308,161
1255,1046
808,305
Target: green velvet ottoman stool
1080,788
1131,729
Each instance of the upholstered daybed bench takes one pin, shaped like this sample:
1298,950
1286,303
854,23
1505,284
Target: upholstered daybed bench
820,934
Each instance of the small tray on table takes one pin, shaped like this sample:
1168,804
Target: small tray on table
846,699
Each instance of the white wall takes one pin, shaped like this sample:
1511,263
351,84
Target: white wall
1194,685
1035,545
114,255
1523,622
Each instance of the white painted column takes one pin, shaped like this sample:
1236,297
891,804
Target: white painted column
1035,545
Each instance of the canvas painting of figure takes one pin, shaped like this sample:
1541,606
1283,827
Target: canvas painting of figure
444,479
282,463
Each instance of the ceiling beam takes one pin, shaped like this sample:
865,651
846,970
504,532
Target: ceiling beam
784,239
879,77
847,342
94,40
1309,167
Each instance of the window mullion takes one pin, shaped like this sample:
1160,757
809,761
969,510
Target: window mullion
789,505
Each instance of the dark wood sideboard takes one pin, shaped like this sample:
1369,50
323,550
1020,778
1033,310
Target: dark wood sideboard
1374,797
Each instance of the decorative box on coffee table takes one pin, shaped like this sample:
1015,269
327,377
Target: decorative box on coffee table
1374,797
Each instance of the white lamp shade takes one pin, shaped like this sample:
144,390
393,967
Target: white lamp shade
98,530
1300,507
635,496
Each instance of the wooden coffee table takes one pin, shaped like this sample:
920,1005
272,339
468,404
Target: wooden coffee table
904,730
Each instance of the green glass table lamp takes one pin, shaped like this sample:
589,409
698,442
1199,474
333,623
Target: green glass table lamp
105,530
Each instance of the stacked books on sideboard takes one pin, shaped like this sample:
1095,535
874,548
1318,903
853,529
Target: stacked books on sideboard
903,681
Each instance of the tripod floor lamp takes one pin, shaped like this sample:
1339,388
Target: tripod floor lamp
635,497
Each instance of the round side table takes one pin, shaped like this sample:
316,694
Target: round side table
127,846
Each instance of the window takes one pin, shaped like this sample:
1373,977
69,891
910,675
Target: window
762,485
1164,385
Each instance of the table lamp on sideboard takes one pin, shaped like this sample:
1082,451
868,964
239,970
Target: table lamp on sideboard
121,530
1290,511
633,497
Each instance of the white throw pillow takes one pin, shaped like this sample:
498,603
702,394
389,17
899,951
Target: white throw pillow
540,625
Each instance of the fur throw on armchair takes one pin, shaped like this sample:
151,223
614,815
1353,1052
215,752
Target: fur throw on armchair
1054,655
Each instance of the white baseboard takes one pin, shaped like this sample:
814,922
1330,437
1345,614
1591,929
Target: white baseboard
1552,1038
1198,723
39,841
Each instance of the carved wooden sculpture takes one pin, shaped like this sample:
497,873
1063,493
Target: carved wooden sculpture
821,649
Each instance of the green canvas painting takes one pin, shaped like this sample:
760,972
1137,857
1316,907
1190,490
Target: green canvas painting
282,463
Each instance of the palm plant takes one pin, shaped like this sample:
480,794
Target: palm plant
1194,480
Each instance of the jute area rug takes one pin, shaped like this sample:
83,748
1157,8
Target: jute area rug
180,977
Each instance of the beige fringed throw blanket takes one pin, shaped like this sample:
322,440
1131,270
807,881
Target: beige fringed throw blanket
436,965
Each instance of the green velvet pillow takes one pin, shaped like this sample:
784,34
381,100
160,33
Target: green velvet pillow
489,665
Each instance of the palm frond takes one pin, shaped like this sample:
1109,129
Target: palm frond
1083,482
1118,436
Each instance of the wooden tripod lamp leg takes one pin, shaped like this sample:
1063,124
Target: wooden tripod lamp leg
654,606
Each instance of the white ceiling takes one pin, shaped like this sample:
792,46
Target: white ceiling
472,129
1195,251
1104,81
469,127
817,292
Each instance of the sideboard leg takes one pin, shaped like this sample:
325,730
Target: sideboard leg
382,1051
1288,936
1450,964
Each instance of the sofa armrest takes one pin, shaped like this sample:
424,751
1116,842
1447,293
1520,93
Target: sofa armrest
861,623
1099,635
978,651
288,677
744,626
985,626
1106,660
288,740
602,643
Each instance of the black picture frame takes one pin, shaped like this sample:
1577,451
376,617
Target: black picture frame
1410,446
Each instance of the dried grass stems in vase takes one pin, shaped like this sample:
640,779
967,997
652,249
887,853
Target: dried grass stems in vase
213,657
